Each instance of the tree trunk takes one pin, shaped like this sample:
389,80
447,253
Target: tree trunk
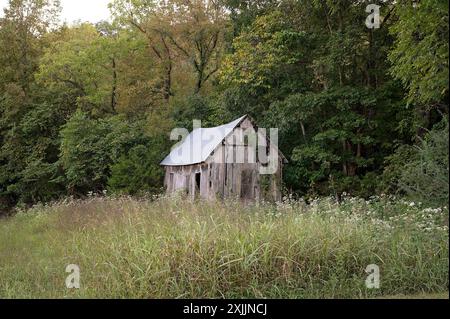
114,86
344,163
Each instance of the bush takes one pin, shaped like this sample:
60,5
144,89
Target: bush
90,147
138,172
422,171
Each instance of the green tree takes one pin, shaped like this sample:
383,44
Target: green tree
28,121
179,33
80,59
138,172
315,71
21,30
90,147
269,57
419,55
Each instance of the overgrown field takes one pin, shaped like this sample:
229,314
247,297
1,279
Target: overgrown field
161,248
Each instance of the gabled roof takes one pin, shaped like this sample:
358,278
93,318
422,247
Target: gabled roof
200,144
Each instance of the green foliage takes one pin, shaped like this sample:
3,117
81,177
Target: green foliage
35,147
80,59
244,12
138,172
30,147
24,24
420,53
322,80
89,147
343,97
333,138
422,171
192,107
266,54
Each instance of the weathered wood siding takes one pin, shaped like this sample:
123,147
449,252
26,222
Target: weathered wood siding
230,172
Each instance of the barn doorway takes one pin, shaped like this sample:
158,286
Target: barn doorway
198,178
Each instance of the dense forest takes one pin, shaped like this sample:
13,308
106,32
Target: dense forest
88,108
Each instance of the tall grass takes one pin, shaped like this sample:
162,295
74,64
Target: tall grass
128,248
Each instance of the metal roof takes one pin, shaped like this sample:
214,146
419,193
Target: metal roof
199,144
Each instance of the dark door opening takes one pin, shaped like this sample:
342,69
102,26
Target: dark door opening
198,178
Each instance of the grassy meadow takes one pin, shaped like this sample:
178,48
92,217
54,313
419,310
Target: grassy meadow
161,248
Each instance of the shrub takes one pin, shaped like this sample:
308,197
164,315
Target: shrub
138,172
90,147
422,171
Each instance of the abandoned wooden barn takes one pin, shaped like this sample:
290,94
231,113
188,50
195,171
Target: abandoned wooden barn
235,160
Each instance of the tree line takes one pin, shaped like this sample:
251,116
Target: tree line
89,107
